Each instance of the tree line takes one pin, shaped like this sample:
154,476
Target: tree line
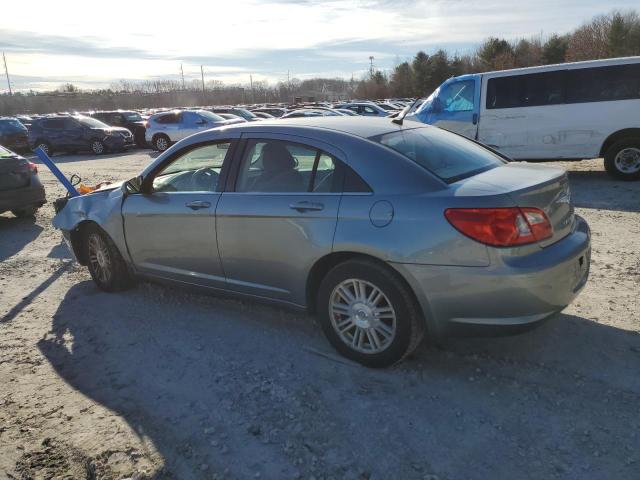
616,34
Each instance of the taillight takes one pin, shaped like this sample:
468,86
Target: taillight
501,227
33,167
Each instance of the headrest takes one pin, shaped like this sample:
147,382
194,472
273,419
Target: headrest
276,158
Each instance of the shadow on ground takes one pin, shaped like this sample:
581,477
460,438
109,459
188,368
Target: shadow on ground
596,189
241,388
15,233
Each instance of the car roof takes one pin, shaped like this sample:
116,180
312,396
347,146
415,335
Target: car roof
364,127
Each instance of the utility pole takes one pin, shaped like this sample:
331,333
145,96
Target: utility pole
202,75
182,75
251,83
6,70
371,67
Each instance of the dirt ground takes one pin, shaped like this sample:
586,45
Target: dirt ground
162,383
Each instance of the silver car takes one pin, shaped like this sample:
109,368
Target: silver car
165,128
386,232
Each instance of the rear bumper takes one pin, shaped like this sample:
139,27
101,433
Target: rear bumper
22,197
509,296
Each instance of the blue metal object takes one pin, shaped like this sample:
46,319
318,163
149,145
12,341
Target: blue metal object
44,158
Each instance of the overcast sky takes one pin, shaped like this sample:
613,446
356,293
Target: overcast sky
93,44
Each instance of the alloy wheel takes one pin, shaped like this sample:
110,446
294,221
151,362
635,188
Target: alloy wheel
162,144
100,258
97,147
362,316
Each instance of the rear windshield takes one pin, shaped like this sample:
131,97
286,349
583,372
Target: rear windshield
446,155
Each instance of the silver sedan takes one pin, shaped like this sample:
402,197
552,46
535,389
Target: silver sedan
386,232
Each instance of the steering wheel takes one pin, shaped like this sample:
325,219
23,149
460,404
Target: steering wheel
204,177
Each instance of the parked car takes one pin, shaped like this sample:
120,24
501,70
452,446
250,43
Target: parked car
21,191
349,113
274,111
128,119
263,115
241,112
166,128
25,120
368,109
231,116
569,111
13,134
385,231
311,112
72,134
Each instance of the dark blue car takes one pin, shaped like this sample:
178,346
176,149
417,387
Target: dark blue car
78,133
13,134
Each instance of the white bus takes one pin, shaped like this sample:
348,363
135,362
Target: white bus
569,111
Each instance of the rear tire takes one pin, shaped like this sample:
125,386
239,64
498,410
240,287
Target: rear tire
368,314
161,142
26,212
106,266
622,159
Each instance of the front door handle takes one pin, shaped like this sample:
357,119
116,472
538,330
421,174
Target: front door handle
306,206
198,204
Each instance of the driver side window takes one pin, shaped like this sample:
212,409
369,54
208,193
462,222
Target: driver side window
458,96
197,170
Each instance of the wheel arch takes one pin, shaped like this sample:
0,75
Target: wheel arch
617,136
76,237
323,265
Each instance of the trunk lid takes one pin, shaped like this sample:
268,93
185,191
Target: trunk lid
531,185
14,171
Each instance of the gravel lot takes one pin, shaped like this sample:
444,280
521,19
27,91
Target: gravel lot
162,383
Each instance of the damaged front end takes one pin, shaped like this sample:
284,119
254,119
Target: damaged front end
101,207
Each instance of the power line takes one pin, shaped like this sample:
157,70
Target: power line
6,71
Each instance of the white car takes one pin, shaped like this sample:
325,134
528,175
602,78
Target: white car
166,128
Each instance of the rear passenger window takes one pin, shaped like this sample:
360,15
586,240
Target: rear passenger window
56,123
169,118
533,90
617,82
286,167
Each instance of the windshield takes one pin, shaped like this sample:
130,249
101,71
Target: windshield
246,114
210,116
445,154
92,122
4,153
133,117
11,125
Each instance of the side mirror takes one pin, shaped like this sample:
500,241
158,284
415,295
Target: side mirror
133,185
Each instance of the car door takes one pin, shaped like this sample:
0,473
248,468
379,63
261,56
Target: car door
170,228
456,107
74,134
281,215
52,131
191,123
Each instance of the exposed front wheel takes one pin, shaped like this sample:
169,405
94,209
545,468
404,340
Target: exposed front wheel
105,264
98,147
368,314
622,159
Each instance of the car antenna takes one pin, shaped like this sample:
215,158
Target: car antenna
398,120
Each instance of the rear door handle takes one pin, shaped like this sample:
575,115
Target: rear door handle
306,206
198,204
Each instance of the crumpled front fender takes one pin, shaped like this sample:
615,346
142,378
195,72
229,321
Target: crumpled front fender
102,207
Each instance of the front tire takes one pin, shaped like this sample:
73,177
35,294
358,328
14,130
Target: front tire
368,314
98,147
622,159
106,266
